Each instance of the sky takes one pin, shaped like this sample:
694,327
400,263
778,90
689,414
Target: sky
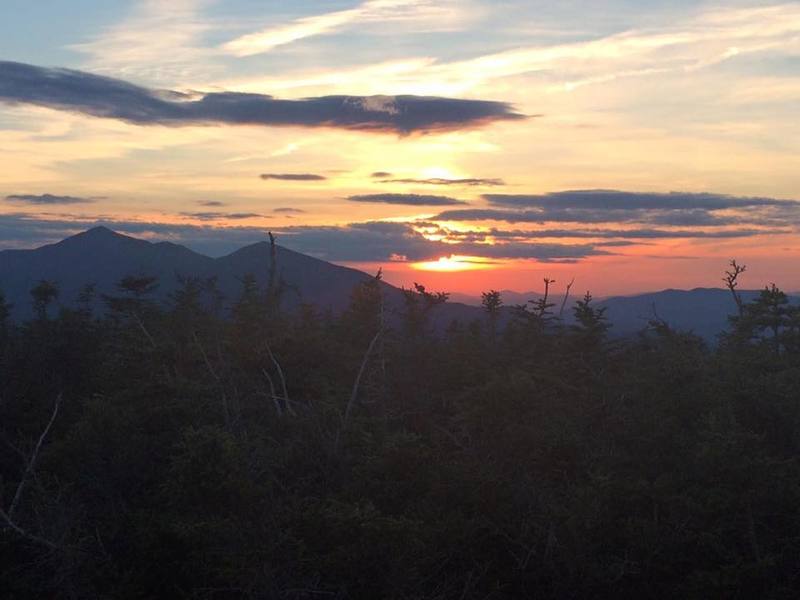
466,144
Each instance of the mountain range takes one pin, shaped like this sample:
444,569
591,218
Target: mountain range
103,257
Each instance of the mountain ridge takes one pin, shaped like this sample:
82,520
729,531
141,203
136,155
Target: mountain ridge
102,256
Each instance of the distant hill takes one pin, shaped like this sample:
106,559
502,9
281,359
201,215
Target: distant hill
510,298
103,257
703,311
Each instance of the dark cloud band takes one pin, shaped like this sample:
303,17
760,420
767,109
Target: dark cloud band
592,216
674,209
105,97
378,241
46,199
407,199
293,176
619,200
629,234
220,216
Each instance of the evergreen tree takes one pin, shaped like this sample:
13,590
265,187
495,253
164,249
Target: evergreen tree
492,302
43,294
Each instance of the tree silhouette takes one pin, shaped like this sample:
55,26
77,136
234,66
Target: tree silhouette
43,294
418,304
592,324
492,302
5,312
768,319
731,280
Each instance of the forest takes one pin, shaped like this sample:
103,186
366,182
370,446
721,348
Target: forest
189,451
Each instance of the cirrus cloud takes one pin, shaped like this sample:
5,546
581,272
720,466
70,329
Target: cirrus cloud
466,181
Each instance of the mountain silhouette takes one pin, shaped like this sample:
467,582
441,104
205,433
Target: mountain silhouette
102,257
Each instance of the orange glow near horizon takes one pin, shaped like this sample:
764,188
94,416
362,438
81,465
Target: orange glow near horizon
606,111
449,264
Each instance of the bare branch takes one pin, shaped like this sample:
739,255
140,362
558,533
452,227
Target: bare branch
566,297
215,375
24,533
140,323
277,400
731,280
356,384
362,368
210,368
275,362
547,282
29,468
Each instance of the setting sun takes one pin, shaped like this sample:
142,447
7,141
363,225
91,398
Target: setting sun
453,263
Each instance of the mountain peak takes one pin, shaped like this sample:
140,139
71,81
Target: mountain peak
100,234
99,231
100,239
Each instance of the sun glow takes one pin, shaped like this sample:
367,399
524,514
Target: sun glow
439,173
453,263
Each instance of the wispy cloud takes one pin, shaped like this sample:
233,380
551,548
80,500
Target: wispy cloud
706,39
157,41
288,210
406,199
293,176
372,11
467,181
699,40
105,97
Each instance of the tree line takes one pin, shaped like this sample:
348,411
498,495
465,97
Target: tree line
190,451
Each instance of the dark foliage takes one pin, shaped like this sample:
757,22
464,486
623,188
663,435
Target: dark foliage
262,454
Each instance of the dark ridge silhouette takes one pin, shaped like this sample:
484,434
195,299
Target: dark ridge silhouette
103,257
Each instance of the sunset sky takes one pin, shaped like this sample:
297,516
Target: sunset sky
634,145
